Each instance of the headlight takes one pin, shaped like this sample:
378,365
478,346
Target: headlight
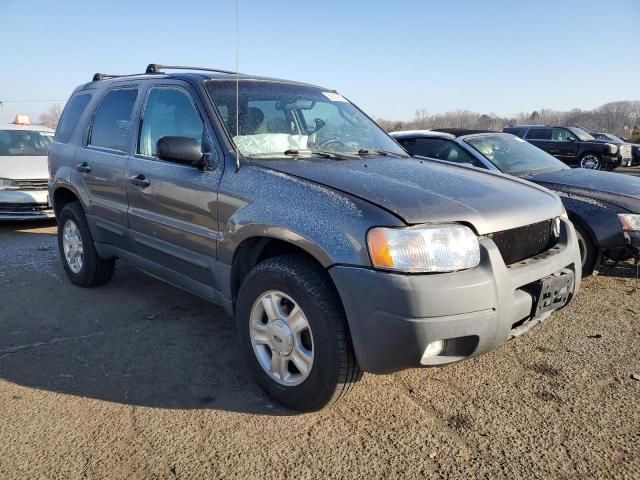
613,149
441,248
8,184
630,222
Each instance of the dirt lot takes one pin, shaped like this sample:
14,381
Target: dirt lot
141,380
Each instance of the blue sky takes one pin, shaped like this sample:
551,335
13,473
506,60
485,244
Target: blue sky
391,58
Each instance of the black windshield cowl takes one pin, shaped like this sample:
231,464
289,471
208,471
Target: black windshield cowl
364,152
303,152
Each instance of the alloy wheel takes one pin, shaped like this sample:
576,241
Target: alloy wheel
590,162
281,338
72,246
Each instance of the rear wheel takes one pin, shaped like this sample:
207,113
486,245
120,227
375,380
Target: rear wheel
588,251
294,334
591,161
81,262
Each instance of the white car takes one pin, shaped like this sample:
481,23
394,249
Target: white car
24,171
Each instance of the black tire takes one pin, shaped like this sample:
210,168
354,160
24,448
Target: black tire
95,270
588,251
334,370
585,156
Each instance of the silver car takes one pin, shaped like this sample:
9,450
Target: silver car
24,172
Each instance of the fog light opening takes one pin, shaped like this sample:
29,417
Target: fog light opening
433,349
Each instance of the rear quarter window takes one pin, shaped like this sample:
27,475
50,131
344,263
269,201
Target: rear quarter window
515,131
71,116
539,134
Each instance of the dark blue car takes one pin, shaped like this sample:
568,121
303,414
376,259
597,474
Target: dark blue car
603,206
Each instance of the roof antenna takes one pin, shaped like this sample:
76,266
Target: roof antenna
237,84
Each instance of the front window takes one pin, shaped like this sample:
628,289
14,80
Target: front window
513,155
168,112
276,119
582,134
22,143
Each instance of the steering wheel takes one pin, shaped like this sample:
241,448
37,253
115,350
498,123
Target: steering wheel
342,146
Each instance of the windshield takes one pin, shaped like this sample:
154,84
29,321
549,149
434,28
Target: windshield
581,134
609,137
513,155
21,143
277,119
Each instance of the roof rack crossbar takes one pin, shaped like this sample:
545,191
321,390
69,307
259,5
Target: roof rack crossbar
104,76
155,68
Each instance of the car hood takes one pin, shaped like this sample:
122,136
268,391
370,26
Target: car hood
431,192
615,188
24,167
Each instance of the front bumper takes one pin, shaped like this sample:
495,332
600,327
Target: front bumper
25,205
393,317
609,163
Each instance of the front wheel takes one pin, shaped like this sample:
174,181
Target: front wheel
294,335
591,161
588,251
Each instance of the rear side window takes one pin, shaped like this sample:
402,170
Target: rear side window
71,117
112,121
539,134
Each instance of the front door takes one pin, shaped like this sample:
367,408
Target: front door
564,145
173,217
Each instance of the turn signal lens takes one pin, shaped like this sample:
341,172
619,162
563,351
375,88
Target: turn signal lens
630,222
438,248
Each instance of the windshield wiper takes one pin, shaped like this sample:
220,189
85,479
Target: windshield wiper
319,153
363,152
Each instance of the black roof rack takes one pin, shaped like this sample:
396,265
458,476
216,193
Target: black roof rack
104,76
155,68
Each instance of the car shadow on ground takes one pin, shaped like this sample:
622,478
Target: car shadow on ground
136,341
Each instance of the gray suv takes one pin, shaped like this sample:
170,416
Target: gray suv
335,251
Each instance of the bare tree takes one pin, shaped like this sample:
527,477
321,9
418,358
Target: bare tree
52,116
616,117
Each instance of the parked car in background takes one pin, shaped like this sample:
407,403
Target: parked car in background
23,170
625,149
284,203
572,145
603,206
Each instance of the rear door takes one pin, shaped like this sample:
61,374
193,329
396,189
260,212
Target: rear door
173,214
100,164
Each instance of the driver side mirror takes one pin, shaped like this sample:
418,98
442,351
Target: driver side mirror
184,150
571,139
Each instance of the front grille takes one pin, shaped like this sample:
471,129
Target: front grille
625,151
32,184
23,207
524,242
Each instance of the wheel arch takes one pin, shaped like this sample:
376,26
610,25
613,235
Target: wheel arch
63,196
253,250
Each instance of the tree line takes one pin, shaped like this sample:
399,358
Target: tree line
620,118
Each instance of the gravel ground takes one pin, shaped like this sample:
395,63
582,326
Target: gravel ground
141,380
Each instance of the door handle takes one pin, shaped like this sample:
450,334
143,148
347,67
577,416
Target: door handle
83,167
140,181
